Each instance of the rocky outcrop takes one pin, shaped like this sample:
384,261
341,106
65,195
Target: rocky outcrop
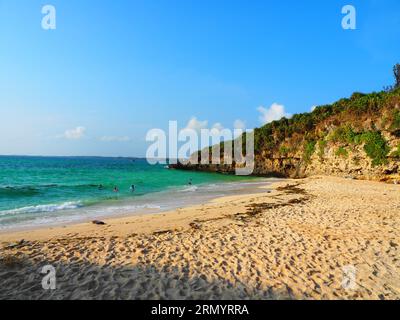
357,137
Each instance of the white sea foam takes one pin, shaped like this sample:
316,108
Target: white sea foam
148,206
43,208
71,212
128,208
190,189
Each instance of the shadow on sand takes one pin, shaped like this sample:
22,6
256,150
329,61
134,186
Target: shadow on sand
84,280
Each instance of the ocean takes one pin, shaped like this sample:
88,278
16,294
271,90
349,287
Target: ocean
44,191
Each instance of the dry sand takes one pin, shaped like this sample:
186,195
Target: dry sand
292,243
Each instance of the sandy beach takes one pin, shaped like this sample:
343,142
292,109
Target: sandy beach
291,242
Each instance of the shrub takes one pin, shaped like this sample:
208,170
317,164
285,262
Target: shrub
309,150
396,153
344,134
357,95
396,120
342,152
321,148
284,150
375,147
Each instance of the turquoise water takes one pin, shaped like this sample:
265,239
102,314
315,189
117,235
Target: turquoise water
50,189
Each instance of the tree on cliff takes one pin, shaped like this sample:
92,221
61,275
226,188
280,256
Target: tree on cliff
396,71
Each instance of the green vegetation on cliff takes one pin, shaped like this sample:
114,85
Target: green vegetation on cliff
342,152
357,136
347,122
396,153
376,147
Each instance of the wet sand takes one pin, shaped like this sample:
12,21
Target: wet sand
296,242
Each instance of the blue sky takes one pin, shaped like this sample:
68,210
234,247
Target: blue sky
112,70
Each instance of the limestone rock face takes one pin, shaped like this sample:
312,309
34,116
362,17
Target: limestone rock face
357,138
355,165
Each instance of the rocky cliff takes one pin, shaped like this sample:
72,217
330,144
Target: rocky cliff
357,137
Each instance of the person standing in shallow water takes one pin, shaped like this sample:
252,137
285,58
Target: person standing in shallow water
132,188
116,189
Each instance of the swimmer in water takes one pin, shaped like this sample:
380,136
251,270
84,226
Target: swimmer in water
132,188
101,187
116,189
190,182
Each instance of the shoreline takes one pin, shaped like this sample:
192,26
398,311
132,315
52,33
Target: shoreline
143,221
293,243
151,206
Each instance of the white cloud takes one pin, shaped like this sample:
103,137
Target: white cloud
239,124
274,112
75,134
217,126
115,139
196,125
